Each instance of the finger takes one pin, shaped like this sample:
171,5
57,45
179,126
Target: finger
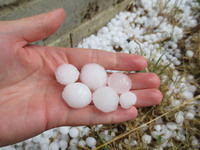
109,60
38,27
147,97
144,80
90,115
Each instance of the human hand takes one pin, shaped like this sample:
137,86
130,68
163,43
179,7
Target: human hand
30,97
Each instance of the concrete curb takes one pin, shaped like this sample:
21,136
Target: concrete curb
72,38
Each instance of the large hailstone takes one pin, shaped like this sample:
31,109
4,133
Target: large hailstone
105,99
66,74
94,76
120,82
77,95
127,99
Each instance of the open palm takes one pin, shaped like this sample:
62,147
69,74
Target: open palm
30,97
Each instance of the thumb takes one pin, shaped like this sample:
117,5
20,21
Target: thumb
38,27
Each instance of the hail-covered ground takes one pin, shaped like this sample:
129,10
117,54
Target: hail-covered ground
166,33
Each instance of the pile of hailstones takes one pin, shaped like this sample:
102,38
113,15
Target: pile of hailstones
95,86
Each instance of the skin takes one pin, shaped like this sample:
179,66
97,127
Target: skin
30,96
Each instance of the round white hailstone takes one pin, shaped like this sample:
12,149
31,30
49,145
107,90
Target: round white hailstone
163,145
81,134
54,146
105,99
175,103
8,148
195,142
63,144
44,141
164,128
108,138
190,53
94,76
80,128
127,99
90,141
164,78
167,134
113,134
189,115
120,146
126,141
66,74
190,77
179,117
82,143
37,138
120,82
192,110
99,125
29,146
86,131
19,144
157,127
77,95
44,146
188,95
105,29
48,134
132,142
146,138
174,133
192,88
155,134
115,130
74,132
73,141
177,63
180,137
28,141
97,129
171,126
64,130
115,39
106,132
64,137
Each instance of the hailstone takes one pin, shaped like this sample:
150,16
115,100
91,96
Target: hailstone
77,95
64,130
82,143
48,134
127,99
120,82
94,76
63,144
66,74
74,132
105,99
90,141
73,142
54,146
